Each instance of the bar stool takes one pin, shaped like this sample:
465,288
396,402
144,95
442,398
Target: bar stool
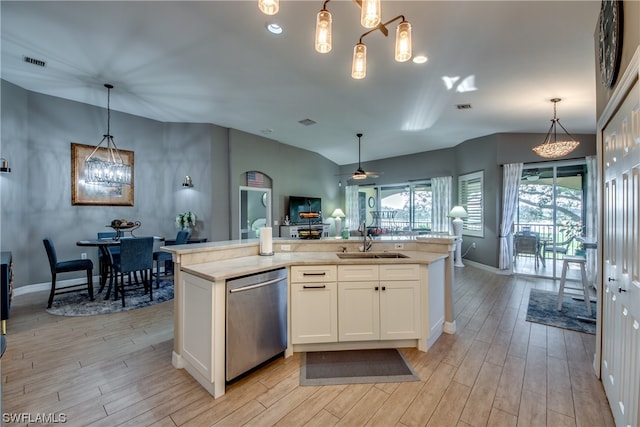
581,261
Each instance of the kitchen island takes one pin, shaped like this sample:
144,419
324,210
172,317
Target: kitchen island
326,310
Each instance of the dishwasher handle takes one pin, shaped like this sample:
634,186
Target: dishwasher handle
257,285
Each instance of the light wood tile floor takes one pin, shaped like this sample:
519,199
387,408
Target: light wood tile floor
497,370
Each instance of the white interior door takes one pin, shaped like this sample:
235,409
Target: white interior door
620,361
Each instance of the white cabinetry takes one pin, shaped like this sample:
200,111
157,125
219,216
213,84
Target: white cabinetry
314,304
378,302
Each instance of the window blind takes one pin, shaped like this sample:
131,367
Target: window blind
470,197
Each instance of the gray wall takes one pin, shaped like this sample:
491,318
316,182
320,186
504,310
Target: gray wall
486,154
35,198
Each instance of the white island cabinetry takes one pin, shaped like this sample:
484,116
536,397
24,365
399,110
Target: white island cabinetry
314,304
373,307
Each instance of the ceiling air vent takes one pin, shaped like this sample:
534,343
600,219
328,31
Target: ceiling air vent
306,122
34,61
463,106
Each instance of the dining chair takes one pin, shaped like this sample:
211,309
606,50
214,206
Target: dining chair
161,257
136,255
105,265
67,267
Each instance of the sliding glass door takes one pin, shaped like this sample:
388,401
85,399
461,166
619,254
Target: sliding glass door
551,210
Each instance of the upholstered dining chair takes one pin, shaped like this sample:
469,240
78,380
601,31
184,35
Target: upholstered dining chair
161,257
58,267
136,255
105,264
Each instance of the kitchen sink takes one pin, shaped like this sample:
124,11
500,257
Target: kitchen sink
370,255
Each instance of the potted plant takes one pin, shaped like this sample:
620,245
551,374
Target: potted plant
186,221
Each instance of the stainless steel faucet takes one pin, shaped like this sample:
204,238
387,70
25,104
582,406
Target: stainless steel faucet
366,244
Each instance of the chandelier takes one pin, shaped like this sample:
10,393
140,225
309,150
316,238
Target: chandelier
370,17
112,170
552,149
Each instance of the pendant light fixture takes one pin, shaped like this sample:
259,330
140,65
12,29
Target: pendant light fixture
551,148
403,50
323,30
111,171
269,7
370,13
370,17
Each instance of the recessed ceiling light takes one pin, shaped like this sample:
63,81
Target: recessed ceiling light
274,28
419,59
266,131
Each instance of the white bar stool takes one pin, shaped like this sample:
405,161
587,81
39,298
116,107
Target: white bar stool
581,261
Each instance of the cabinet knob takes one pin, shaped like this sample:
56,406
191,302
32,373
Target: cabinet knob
376,288
384,288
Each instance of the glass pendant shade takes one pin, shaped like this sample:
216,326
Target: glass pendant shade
359,66
403,42
107,167
323,31
551,148
269,7
370,13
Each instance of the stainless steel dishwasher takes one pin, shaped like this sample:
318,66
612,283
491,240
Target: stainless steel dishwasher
256,327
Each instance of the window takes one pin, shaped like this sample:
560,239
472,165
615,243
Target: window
470,195
400,208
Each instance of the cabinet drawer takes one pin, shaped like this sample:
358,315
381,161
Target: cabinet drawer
355,273
313,273
399,272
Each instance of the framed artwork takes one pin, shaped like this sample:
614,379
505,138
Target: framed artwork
372,202
93,194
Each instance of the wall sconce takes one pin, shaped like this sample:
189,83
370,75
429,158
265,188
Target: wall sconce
4,166
187,183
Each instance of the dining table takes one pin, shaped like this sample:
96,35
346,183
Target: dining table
103,246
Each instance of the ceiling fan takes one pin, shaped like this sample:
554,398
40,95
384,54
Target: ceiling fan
360,173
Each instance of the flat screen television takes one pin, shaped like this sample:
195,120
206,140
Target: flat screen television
299,204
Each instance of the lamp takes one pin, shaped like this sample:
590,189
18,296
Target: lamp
323,30
370,13
370,17
457,213
338,215
555,149
187,181
4,165
113,170
269,7
403,46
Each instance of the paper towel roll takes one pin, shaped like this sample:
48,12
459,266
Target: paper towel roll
266,241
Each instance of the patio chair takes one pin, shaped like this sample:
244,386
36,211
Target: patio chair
526,244
559,247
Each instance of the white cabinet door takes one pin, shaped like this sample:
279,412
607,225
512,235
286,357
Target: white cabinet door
621,261
358,311
314,312
399,309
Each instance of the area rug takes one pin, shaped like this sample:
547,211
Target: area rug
355,367
543,308
78,304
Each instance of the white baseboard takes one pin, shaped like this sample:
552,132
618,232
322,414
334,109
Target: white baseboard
39,287
46,286
487,267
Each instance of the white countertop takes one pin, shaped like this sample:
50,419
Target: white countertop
226,269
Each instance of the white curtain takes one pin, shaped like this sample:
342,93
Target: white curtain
591,224
441,190
511,175
351,205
